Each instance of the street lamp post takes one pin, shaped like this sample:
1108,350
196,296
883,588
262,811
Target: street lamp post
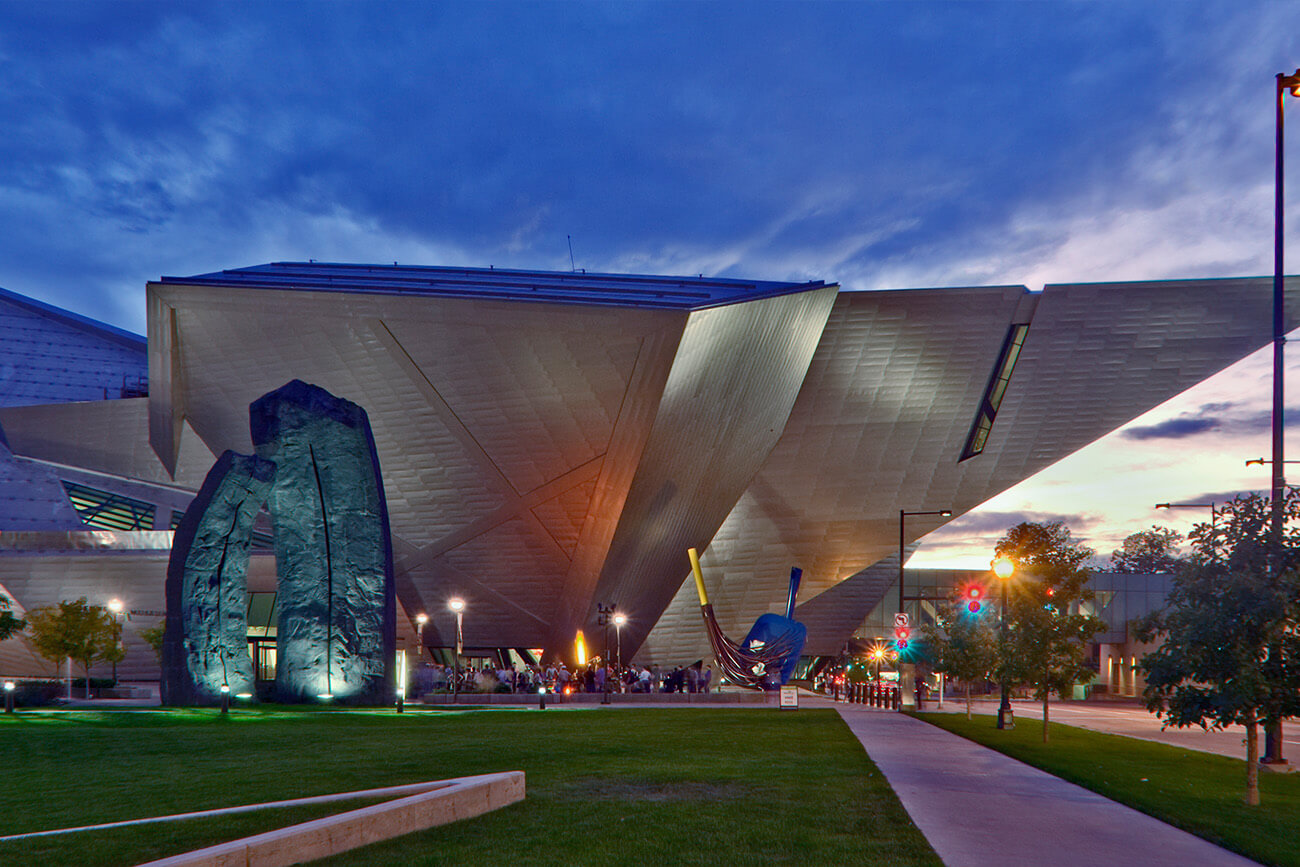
115,608
457,605
606,615
619,619
906,688
1004,569
1214,514
420,620
1273,734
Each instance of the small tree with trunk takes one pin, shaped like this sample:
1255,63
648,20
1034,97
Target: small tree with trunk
77,630
1048,634
963,643
1231,649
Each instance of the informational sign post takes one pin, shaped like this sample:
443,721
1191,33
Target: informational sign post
789,698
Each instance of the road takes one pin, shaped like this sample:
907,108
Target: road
1136,722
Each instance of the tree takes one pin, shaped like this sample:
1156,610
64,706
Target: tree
963,643
1148,551
77,630
1048,635
8,623
153,636
1231,653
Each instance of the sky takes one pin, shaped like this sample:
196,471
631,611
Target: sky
878,145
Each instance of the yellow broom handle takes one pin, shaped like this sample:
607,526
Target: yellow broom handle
699,576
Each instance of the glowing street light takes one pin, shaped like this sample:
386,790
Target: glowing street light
9,696
420,620
116,607
619,620
457,606
1004,569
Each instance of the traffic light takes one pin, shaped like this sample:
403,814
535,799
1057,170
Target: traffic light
901,636
975,598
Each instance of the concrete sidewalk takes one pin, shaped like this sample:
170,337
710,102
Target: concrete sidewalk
979,808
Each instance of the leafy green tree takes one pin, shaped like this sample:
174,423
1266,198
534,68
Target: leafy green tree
77,629
962,643
153,636
1231,652
1047,637
8,623
1148,551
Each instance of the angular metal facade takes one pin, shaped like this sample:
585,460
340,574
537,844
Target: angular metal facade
889,401
551,442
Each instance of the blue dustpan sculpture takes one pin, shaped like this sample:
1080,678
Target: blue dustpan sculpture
767,657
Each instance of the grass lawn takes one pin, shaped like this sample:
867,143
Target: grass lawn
1196,791
652,786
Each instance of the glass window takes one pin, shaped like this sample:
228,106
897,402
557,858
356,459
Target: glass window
995,391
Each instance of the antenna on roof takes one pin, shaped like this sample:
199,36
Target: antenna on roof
572,267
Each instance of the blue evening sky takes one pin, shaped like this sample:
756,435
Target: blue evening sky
880,145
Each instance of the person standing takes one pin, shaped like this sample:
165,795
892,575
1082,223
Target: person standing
706,679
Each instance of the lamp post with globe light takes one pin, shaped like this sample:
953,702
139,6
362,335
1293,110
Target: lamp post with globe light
457,606
115,607
420,620
1004,569
620,619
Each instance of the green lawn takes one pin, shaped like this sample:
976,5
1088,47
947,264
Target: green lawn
657,787
1197,791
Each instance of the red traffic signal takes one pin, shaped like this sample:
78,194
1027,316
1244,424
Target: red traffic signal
974,598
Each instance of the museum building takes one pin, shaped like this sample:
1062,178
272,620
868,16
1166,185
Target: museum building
551,443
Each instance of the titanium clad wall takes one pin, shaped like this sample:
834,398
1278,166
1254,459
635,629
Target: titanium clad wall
53,356
882,415
1100,354
31,497
735,378
106,436
1096,357
492,421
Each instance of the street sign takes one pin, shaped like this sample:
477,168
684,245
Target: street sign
900,619
790,697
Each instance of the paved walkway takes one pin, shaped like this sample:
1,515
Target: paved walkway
979,808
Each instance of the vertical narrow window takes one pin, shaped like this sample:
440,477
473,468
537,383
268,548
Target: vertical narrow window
994,392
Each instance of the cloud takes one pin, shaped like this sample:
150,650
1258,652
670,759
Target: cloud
1174,428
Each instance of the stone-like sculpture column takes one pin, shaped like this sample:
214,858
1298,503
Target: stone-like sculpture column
205,639
337,627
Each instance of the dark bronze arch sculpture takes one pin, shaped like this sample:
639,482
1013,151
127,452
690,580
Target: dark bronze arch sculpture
317,471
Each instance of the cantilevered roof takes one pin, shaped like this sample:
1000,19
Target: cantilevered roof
552,287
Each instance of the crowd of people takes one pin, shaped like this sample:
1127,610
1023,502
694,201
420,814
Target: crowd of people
556,677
